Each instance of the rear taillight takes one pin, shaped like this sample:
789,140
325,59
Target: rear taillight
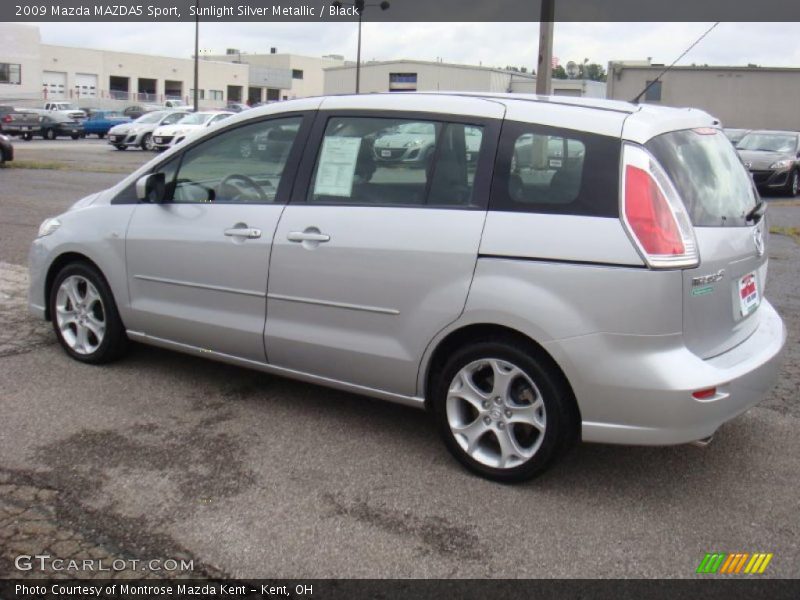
7,119
654,213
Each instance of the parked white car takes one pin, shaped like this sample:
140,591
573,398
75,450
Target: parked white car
167,136
140,132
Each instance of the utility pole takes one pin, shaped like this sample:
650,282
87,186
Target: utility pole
196,54
544,70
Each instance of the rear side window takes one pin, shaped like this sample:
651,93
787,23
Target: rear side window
376,161
708,174
556,171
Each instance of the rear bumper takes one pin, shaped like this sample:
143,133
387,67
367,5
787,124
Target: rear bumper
638,389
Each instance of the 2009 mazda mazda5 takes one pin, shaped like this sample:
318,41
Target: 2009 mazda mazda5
596,272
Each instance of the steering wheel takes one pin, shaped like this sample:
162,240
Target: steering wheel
230,182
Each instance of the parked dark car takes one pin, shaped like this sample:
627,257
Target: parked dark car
100,121
6,149
19,122
735,135
773,159
137,110
54,125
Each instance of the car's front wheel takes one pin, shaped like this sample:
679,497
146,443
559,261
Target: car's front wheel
793,183
84,315
49,134
503,412
147,143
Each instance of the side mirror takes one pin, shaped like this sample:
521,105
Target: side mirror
151,188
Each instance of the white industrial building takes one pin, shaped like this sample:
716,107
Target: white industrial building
426,76
280,76
31,72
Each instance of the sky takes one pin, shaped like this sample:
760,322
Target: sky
489,44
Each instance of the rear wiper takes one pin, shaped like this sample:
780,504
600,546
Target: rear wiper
756,213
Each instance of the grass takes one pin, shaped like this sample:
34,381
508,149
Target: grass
792,232
63,166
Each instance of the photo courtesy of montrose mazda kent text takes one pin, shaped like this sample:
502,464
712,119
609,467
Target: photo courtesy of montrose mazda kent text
532,271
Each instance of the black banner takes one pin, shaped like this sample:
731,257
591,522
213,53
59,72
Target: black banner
401,10
713,588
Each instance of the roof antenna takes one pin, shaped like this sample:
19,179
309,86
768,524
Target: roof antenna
685,52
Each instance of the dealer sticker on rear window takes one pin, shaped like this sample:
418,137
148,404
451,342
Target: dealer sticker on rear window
748,294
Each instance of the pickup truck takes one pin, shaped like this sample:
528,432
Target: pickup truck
66,108
100,121
19,122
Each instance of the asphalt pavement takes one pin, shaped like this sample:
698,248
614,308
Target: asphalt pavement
252,475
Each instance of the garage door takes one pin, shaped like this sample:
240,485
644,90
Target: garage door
55,84
85,85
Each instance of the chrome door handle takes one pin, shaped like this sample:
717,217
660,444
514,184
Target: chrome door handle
307,236
250,233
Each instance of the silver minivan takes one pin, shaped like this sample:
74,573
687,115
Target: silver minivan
554,270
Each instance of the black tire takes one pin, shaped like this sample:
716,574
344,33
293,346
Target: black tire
146,143
100,136
560,408
49,134
792,184
115,342
74,136
121,147
27,137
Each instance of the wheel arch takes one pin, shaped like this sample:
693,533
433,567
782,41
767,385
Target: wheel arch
484,331
61,261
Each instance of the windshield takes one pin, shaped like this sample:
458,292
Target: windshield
768,142
708,174
153,117
196,118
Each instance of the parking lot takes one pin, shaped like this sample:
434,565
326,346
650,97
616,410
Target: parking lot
165,456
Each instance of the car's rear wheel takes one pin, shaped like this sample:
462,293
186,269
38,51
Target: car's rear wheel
75,136
147,143
49,134
27,137
503,412
121,147
85,316
100,136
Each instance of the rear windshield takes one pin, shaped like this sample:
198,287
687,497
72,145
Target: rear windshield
708,174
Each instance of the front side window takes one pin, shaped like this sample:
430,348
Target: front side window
173,118
551,170
244,165
385,162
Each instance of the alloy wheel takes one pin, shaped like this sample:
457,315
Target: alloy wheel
496,413
80,315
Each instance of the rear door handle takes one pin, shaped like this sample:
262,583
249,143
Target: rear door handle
250,233
307,236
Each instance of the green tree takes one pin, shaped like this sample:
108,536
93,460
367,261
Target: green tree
560,73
